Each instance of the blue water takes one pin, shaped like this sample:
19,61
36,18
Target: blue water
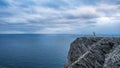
34,50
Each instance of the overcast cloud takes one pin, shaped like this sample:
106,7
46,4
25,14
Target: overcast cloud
60,16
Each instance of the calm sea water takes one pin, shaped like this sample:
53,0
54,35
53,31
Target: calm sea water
34,51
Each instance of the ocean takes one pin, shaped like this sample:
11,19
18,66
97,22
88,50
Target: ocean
34,50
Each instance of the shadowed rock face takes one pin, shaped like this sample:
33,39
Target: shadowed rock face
94,52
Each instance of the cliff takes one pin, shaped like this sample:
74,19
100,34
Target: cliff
94,52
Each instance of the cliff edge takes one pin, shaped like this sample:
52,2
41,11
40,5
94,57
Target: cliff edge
94,52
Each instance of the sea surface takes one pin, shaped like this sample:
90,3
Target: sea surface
34,50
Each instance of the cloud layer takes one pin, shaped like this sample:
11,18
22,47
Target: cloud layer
60,16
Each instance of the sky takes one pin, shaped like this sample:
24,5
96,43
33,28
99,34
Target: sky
59,16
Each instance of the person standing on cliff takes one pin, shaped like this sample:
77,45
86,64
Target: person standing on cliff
94,34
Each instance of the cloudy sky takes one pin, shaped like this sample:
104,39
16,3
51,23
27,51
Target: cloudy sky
59,16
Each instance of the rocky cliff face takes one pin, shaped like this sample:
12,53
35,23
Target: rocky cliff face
94,52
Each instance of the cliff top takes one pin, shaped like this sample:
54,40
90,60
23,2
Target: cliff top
94,52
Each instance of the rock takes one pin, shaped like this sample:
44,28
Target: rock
94,52
3,67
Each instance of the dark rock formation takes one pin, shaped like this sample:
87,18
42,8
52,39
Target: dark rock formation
94,52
